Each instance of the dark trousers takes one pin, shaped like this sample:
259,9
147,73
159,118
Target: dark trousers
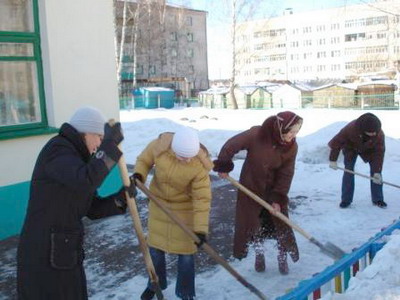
348,182
185,280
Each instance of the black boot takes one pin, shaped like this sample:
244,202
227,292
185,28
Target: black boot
380,203
148,294
344,204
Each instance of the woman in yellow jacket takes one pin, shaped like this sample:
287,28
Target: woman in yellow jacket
181,181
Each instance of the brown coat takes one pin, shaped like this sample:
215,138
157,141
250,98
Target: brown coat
350,140
268,169
184,188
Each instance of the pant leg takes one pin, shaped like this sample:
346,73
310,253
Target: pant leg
158,258
376,190
185,280
348,178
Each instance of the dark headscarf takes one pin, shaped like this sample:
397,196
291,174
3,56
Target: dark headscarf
283,122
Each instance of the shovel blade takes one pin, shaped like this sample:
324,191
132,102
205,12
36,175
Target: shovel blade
333,251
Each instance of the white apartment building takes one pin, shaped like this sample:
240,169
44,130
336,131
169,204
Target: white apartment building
338,43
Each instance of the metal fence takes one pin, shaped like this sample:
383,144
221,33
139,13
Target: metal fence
335,279
365,101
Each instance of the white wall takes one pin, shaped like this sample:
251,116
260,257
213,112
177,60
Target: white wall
79,69
286,97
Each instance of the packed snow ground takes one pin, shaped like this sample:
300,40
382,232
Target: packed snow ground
315,190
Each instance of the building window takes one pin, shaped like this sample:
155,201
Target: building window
189,21
190,52
174,36
191,69
381,35
139,69
354,37
152,70
22,101
335,26
174,52
335,40
190,37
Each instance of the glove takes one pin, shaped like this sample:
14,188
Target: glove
131,189
221,166
202,237
120,199
377,178
113,133
108,150
333,165
136,176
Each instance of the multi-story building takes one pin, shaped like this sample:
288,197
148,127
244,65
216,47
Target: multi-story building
164,44
337,43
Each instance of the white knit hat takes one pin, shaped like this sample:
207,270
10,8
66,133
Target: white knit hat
185,142
88,120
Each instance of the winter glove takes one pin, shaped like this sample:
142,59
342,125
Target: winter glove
120,199
136,176
223,166
108,150
202,237
113,133
333,165
377,178
131,189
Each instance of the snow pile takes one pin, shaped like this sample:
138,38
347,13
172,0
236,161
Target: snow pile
380,280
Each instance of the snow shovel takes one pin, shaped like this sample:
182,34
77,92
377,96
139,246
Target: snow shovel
194,237
138,226
329,249
366,176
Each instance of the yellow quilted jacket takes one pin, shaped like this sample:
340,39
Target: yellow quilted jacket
184,188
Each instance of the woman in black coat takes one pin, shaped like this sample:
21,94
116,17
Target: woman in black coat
62,192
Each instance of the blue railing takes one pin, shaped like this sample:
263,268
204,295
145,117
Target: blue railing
335,278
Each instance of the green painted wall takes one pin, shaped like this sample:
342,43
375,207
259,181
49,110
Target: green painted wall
14,201
13,204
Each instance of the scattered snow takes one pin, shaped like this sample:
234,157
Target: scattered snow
315,188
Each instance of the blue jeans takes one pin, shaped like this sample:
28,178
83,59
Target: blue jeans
185,281
348,182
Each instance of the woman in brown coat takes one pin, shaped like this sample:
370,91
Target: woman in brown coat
267,171
181,182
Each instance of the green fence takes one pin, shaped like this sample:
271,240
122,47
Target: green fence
366,101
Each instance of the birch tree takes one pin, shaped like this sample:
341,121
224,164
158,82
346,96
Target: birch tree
240,10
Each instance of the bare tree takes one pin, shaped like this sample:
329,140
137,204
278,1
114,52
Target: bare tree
240,10
232,80
120,42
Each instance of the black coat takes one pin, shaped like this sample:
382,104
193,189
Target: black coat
62,192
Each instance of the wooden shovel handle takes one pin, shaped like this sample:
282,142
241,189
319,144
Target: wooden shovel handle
135,217
205,246
366,176
268,207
